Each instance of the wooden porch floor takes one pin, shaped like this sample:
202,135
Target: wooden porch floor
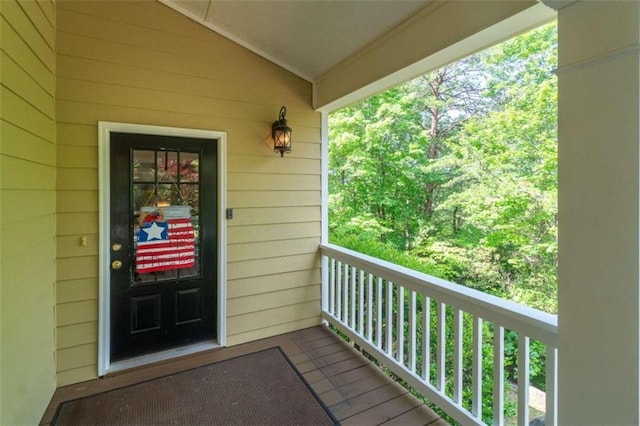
356,392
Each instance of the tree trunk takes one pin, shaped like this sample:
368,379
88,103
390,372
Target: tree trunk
434,141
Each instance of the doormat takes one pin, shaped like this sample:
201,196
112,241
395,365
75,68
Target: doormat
262,388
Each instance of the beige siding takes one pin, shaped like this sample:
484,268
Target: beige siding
27,209
141,62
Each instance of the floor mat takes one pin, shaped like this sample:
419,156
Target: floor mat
262,388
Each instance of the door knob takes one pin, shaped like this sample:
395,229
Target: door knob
116,264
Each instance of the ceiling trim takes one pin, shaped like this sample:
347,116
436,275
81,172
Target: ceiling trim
347,83
558,4
243,43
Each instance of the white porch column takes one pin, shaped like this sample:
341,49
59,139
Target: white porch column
599,214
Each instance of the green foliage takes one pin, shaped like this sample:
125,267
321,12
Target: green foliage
455,174
459,169
363,243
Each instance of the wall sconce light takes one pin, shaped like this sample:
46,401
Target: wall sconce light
281,134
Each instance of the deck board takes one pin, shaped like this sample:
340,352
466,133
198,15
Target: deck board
355,390
417,415
384,412
367,401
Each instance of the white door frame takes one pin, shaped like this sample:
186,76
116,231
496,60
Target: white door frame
104,333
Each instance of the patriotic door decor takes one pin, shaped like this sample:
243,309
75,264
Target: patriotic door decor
165,239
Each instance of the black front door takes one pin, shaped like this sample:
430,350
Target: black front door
163,242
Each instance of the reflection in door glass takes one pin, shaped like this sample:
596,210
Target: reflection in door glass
165,213
189,167
168,166
144,166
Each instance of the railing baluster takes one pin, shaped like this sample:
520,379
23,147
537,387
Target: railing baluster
352,299
523,380
345,295
389,317
400,326
332,286
361,302
379,313
498,375
426,339
338,313
476,379
369,307
412,331
551,388
457,355
441,346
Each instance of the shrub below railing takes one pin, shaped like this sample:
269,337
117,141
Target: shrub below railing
444,340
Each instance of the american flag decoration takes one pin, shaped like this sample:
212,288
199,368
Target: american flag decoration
165,239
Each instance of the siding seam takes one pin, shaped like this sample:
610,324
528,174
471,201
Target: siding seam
52,72
27,73
36,27
275,308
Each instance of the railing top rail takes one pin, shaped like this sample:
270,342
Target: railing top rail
534,323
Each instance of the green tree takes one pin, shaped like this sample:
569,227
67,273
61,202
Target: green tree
373,162
455,174
459,166
503,202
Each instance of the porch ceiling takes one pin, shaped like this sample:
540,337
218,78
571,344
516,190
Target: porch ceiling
307,37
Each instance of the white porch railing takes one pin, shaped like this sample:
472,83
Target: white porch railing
382,307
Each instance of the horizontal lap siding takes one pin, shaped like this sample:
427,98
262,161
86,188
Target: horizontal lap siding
141,62
27,209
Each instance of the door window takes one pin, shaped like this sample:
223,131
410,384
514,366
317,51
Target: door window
166,190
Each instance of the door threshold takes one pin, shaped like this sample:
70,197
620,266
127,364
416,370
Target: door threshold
161,356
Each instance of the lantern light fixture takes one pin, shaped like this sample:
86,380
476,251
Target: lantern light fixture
281,133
